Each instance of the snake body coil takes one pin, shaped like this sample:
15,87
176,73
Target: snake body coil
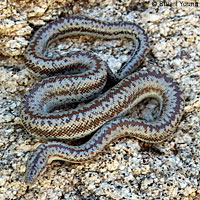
107,113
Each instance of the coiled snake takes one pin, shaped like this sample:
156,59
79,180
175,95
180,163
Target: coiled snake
81,76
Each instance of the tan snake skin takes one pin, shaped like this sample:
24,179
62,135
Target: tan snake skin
106,115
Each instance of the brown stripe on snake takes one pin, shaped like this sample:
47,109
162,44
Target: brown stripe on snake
82,25
105,116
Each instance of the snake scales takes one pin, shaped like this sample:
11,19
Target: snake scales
81,76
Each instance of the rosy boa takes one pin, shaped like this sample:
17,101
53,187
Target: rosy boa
81,76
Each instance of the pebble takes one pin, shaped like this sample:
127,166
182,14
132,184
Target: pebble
8,117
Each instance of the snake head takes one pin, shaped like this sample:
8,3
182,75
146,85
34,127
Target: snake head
36,165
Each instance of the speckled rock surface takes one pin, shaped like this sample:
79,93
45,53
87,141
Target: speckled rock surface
126,170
